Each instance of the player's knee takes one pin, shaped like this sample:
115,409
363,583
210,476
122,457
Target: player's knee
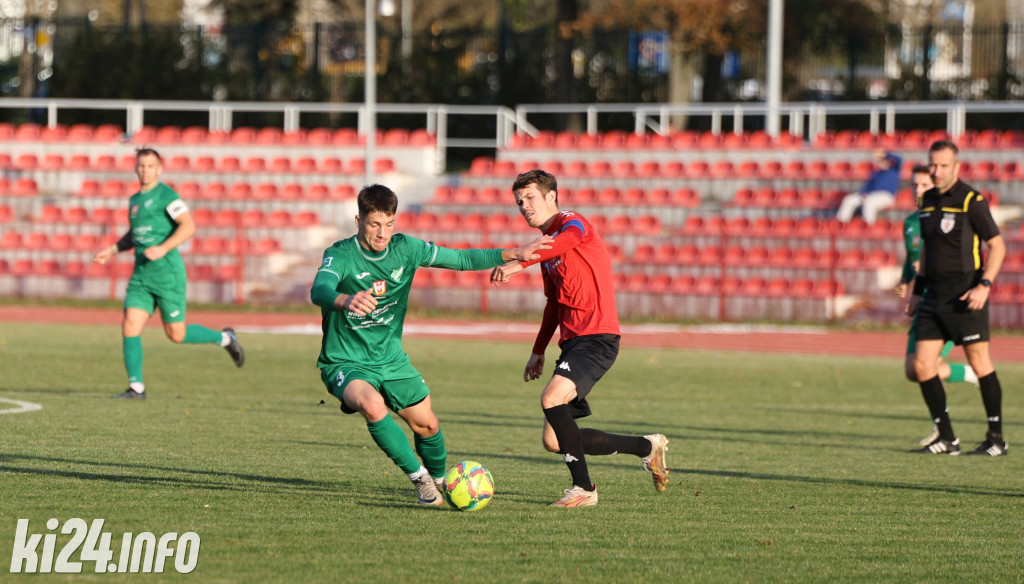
176,336
371,411
923,370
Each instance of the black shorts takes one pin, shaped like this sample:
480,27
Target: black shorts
584,360
943,316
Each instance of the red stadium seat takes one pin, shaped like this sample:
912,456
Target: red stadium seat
229,164
194,135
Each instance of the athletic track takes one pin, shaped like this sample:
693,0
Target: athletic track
808,340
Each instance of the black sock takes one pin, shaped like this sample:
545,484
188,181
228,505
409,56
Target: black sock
570,443
992,397
597,442
935,398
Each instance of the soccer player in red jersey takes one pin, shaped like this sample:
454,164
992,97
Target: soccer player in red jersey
577,274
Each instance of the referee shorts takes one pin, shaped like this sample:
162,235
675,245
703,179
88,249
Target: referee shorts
584,360
943,316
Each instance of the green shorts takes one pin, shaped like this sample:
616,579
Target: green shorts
401,385
165,289
912,341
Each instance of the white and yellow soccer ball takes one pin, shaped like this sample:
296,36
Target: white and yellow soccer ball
468,486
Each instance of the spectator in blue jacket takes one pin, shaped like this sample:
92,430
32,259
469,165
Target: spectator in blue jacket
877,194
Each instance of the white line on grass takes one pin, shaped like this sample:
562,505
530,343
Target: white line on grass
22,408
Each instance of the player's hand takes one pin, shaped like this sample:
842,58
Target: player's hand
504,273
155,252
105,255
361,303
976,297
534,368
901,290
528,252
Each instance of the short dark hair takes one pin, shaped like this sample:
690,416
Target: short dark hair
944,145
145,151
545,182
920,168
377,198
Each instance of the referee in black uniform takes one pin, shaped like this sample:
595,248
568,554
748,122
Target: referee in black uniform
951,295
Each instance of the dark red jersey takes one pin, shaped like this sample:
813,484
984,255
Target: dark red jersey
578,282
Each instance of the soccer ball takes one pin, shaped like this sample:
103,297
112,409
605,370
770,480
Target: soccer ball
468,486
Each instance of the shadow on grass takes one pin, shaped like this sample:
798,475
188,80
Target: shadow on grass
950,489
814,410
192,478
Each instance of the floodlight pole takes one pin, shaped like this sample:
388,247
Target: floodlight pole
370,90
774,69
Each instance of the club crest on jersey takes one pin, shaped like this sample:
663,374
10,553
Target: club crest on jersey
135,210
380,287
947,223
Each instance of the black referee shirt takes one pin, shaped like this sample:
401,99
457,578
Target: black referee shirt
953,226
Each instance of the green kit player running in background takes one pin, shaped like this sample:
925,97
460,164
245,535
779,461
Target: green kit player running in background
922,181
362,288
159,221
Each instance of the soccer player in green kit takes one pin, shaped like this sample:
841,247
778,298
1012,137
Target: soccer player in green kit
921,180
362,288
159,222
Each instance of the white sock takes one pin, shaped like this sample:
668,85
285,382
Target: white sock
225,339
969,375
418,474
137,387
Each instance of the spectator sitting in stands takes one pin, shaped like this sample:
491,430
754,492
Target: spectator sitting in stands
878,193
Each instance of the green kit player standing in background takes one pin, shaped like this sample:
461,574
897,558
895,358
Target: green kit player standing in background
921,180
159,222
362,288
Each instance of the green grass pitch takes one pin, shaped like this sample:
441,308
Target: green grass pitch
784,468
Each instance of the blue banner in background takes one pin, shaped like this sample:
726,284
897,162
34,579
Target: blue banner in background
648,52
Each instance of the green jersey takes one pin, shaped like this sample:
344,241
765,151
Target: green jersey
376,339
152,215
912,241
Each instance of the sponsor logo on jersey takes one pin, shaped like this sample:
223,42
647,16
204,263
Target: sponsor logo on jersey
947,222
328,262
363,275
380,287
135,210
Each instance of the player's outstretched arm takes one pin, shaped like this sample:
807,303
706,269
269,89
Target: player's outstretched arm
528,252
504,272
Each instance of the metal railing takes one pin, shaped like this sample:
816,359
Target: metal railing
806,119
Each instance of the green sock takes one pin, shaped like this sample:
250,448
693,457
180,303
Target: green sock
956,372
198,334
391,439
433,454
132,348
